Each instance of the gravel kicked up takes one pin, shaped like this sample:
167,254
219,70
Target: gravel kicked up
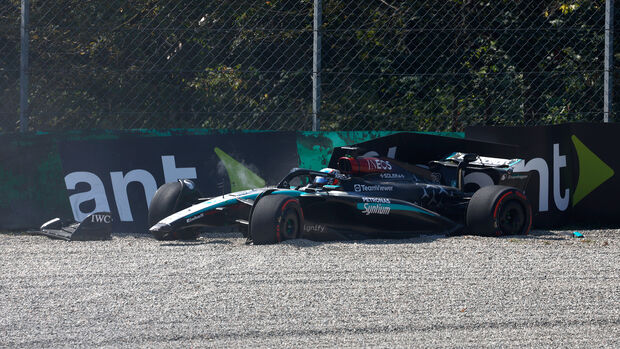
545,289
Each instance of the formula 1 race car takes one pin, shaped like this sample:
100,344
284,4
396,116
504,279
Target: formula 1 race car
364,197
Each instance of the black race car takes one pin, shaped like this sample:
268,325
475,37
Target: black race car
363,197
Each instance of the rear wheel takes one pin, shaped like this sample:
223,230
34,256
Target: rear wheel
499,210
276,218
171,198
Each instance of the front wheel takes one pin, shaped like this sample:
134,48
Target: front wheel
276,218
498,210
171,198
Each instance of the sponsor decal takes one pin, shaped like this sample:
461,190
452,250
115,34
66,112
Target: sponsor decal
101,218
120,182
376,200
592,173
513,176
436,177
376,209
392,175
378,164
319,228
363,187
239,175
191,219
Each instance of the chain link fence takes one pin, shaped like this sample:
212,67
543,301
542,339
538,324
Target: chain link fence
9,66
385,64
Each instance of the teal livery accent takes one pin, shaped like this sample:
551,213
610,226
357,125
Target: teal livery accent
398,207
223,203
294,193
232,201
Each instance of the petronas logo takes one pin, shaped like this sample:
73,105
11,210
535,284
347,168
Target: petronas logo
592,171
241,177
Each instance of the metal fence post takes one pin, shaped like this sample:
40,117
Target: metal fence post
23,68
316,65
609,56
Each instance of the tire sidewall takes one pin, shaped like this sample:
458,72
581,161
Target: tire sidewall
485,209
169,199
268,224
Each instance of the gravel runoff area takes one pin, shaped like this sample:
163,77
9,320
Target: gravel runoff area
544,289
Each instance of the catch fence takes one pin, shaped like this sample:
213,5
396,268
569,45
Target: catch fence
303,64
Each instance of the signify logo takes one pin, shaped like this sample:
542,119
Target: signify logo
593,172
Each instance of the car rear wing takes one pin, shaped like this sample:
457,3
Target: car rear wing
481,170
483,161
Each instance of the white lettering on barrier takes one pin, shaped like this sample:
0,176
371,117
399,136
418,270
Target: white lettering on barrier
559,161
172,173
96,193
539,165
119,187
480,178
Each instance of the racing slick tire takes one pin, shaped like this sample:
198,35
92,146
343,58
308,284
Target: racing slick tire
497,210
276,218
171,198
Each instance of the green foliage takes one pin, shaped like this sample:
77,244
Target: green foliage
393,64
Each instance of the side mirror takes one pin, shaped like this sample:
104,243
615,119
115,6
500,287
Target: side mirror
469,157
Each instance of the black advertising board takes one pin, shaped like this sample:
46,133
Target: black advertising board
70,174
574,169
121,175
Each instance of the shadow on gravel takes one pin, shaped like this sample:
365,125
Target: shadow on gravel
196,243
544,235
417,240
540,235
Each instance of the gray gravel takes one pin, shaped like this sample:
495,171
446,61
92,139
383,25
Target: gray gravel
545,289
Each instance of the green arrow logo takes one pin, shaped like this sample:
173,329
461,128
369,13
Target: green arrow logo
241,177
592,171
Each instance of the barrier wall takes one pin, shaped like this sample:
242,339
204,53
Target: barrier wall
71,174
574,169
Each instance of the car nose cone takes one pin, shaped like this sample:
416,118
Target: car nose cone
161,227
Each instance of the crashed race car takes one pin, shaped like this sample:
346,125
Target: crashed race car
364,197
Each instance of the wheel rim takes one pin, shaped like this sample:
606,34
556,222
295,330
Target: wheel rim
511,218
290,225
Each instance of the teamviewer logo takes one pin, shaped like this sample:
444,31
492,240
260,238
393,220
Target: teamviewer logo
357,187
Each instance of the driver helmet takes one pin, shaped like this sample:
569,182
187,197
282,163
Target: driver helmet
320,180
